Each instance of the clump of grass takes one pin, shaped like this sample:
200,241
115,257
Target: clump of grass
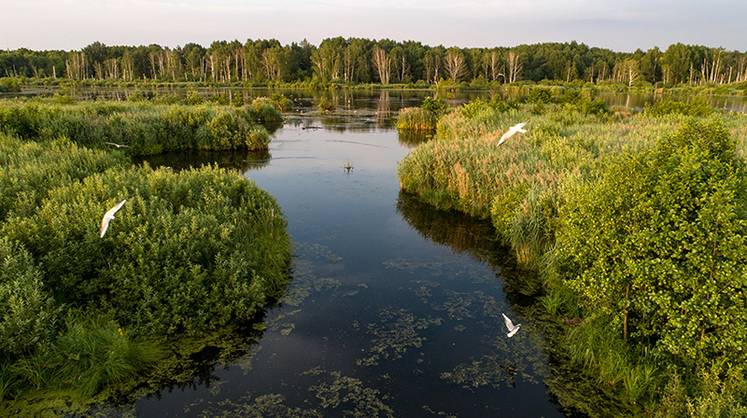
416,119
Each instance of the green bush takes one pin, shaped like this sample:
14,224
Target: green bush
28,170
673,107
10,85
27,312
435,105
189,251
659,245
265,111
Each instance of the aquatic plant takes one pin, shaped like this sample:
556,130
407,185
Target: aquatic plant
416,119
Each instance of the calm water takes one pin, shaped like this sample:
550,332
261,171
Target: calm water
346,99
393,309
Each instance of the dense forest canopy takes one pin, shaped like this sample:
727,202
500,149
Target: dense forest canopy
357,60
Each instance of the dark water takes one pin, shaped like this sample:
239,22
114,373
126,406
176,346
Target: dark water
393,309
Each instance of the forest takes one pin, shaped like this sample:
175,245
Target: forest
384,61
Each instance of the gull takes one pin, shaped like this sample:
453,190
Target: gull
512,329
117,145
108,216
518,128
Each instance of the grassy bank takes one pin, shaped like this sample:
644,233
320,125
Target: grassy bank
144,128
189,254
629,224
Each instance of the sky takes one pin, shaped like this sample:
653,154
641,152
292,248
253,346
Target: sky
622,25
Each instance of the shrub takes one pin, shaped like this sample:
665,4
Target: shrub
10,85
28,170
27,312
670,107
265,112
658,244
189,251
435,105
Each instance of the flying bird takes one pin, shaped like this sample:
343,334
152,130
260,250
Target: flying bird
512,329
117,145
518,128
108,216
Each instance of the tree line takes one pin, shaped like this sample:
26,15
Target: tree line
358,60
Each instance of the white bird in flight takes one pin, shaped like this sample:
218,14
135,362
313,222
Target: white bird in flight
108,216
512,329
117,145
518,128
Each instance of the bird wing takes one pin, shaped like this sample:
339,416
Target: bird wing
505,137
519,126
109,215
509,324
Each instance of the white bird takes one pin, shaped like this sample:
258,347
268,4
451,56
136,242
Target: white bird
108,216
518,128
117,145
512,329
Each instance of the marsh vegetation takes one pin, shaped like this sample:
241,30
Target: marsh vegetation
191,253
634,226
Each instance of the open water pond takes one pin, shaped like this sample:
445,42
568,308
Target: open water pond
393,309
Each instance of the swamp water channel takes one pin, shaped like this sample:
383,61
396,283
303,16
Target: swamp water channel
393,308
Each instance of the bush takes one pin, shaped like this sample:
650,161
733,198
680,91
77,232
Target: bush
265,112
10,85
672,107
435,105
28,170
659,245
189,252
27,312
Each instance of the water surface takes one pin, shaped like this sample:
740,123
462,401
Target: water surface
393,308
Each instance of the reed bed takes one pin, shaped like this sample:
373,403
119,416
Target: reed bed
144,128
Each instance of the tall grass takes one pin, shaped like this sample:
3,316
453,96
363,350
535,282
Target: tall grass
416,119
145,128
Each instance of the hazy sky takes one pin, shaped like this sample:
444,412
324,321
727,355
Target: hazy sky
617,24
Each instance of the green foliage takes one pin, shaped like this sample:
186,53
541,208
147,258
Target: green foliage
673,107
10,85
416,119
145,128
435,105
622,219
89,355
265,111
539,96
660,238
27,312
189,251
28,170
